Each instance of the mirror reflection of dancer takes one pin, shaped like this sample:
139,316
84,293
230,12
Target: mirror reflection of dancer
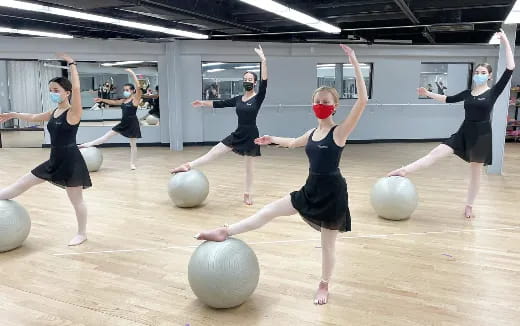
323,200
65,167
473,141
129,125
241,141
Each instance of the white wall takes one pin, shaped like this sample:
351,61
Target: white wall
292,78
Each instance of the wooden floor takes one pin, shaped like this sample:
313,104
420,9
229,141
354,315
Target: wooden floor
434,269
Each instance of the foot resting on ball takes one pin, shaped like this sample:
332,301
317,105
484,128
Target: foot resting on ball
181,168
218,234
401,172
78,239
322,295
85,145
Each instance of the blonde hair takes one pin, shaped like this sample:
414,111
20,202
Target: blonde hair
329,89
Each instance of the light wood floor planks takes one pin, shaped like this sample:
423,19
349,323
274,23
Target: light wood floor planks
470,276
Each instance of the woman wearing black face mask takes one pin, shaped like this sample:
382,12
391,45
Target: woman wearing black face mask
241,141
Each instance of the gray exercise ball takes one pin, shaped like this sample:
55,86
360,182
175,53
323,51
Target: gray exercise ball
93,157
15,225
188,189
394,198
152,120
223,274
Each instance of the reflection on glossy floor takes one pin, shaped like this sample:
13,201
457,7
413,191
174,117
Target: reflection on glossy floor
465,274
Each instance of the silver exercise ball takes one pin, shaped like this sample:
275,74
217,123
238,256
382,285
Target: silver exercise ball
188,189
223,274
394,198
93,157
15,225
152,120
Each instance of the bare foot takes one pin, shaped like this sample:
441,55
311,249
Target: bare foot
181,168
401,172
468,212
78,239
218,234
132,167
248,199
322,295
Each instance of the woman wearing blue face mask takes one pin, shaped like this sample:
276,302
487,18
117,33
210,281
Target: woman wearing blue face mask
472,142
129,125
66,167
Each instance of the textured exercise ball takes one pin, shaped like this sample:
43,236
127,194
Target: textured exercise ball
394,198
188,189
15,225
223,274
93,157
152,120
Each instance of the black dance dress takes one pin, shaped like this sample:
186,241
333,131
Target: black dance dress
129,125
242,139
473,141
323,200
66,166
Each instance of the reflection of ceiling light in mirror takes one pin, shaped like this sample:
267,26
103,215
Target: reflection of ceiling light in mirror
121,63
34,33
215,70
209,64
97,18
246,67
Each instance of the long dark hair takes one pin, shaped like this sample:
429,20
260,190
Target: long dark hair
63,82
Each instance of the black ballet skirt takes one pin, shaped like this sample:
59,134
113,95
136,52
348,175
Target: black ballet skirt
129,125
473,142
242,139
66,166
323,200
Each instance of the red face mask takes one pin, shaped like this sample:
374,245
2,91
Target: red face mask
323,111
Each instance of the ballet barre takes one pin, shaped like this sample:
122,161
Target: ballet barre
55,66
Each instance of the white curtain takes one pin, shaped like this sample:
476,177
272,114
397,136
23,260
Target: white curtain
46,74
24,85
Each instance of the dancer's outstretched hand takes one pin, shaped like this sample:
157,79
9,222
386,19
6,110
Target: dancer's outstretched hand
264,140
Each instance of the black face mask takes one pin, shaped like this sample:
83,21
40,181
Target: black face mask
248,86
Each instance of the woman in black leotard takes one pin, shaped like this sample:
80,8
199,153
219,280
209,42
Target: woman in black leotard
323,200
241,141
65,167
129,126
473,141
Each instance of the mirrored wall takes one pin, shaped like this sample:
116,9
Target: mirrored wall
223,80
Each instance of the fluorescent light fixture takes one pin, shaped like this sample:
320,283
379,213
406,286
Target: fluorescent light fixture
35,33
121,63
295,15
215,70
209,64
247,67
514,14
97,18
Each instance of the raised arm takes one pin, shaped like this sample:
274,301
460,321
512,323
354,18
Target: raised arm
283,141
263,61
510,58
345,128
76,109
138,91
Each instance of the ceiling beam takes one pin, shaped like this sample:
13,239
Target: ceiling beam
410,15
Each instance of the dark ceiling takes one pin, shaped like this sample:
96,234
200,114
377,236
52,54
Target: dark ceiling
372,21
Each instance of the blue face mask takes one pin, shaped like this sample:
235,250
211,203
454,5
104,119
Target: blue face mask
126,94
56,97
480,79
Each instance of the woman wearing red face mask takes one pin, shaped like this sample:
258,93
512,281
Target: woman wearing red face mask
65,167
241,141
323,200
473,141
